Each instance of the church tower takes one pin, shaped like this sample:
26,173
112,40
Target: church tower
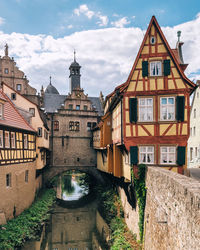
74,77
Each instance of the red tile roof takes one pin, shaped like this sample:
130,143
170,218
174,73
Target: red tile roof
12,117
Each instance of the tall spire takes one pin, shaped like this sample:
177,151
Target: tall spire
50,80
74,55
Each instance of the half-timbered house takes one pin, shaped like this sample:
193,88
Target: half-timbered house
151,110
17,160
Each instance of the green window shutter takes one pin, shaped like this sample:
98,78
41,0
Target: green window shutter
180,108
181,156
133,109
166,65
134,155
144,68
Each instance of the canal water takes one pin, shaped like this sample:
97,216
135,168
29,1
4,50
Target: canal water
75,223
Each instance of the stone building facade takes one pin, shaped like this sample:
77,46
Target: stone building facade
71,118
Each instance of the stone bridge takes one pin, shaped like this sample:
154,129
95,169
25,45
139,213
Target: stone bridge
52,171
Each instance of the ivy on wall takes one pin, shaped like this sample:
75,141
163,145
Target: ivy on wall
140,190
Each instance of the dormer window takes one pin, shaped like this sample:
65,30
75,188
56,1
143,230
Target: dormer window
152,40
19,87
1,111
155,68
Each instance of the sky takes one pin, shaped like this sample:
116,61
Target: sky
43,34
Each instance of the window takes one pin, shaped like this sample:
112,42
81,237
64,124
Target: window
167,108
25,141
56,125
77,107
13,96
190,131
77,126
85,107
194,131
26,176
152,40
71,126
191,154
7,139
32,111
146,154
45,134
89,125
74,126
19,87
168,155
155,68
12,140
1,110
194,113
8,180
40,132
146,109
70,106
6,70
1,138
195,151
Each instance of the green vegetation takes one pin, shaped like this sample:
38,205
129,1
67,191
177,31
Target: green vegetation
28,224
111,210
140,189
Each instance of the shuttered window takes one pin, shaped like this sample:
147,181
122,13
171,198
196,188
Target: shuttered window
166,65
133,109
145,68
180,108
134,155
181,156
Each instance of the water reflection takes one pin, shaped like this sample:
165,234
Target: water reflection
75,223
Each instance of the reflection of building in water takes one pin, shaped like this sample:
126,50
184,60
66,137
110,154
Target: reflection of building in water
72,228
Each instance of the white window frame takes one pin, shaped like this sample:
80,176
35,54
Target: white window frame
12,137
25,141
169,151
7,139
155,68
146,110
1,138
147,153
167,107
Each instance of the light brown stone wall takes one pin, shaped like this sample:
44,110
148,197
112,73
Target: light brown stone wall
21,194
172,215
131,215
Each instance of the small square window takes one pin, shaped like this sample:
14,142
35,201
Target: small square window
155,68
168,155
8,180
32,111
85,107
146,154
19,87
13,96
77,107
6,71
70,106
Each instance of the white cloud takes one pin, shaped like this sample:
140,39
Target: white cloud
70,26
83,9
121,22
2,20
106,55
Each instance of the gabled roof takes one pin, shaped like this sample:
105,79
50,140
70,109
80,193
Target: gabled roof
154,21
12,117
172,53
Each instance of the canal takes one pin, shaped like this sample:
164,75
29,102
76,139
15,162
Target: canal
75,222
